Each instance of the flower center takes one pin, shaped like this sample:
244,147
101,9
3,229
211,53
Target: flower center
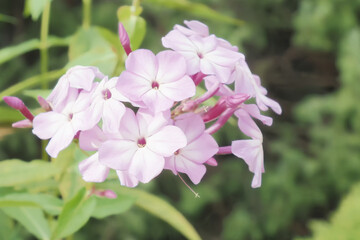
141,142
177,152
200,55
155,85
70,116
106,94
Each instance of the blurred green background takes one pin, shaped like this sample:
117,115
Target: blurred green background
307,54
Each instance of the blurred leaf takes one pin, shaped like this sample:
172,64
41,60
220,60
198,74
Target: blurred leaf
32,81
11,52
75,214
32,219
197,9
16,203
10,115
35,8
88,47
106,207
7,226
14,172
8,19
34,93
49,203
157,207
135,25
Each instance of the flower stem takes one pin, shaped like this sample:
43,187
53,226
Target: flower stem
86,14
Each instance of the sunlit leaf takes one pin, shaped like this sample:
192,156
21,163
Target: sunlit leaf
75,214
106,207
157,207
32,219
35,8
14,172
17,50
49,203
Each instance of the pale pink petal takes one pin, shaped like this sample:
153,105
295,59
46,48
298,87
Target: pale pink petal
198,27
223,57
127,179
166,141
92,170
81,77
89,118
247,124
146,165
191,124
172,66
192,60
133,86
129,127
157,101
117,154
92,139
200,150
178,42
263,102
150,122
62,138
193,170
48,123
143,63
112,113
180,89
212,162
254,111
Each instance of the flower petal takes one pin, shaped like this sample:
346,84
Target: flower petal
92,170
172,66
117,154
62,138
127,179
48,123
91,140
179,90
143,63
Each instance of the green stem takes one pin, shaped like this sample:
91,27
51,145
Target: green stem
136,3
86,14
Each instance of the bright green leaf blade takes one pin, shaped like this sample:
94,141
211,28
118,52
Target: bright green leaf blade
75,214
197,9
30,82
8,19
11,52
157,207
35,8
106,207
16,203
10,115
15,172
134,25
48,203
87,47
32,219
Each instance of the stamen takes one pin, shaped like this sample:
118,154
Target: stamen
106,94
195,193
141,142
155,85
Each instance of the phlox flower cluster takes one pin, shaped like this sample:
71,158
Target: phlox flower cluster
150,118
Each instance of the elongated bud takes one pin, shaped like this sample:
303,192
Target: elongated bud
44,104
26,123
17,104
124,39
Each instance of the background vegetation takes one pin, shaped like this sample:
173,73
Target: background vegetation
308,56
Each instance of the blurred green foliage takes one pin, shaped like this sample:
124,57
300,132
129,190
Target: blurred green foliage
312,156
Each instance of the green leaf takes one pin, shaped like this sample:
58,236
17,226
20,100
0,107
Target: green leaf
49,203
134,25
88,47
10,115
197,9
8,19
34,93
75,214
11,52
15,172
106,207
157,207
35,8
16,203
30,82
7,226
32,219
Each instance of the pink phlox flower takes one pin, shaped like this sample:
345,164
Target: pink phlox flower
253,154
75,79
203,54
61,126
199,149
158,81
224,89
106,105
145,141
124,38
246,82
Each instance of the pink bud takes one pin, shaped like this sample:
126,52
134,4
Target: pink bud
124,39
235,100
44,104
26,123
212,162
17,104
106,193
